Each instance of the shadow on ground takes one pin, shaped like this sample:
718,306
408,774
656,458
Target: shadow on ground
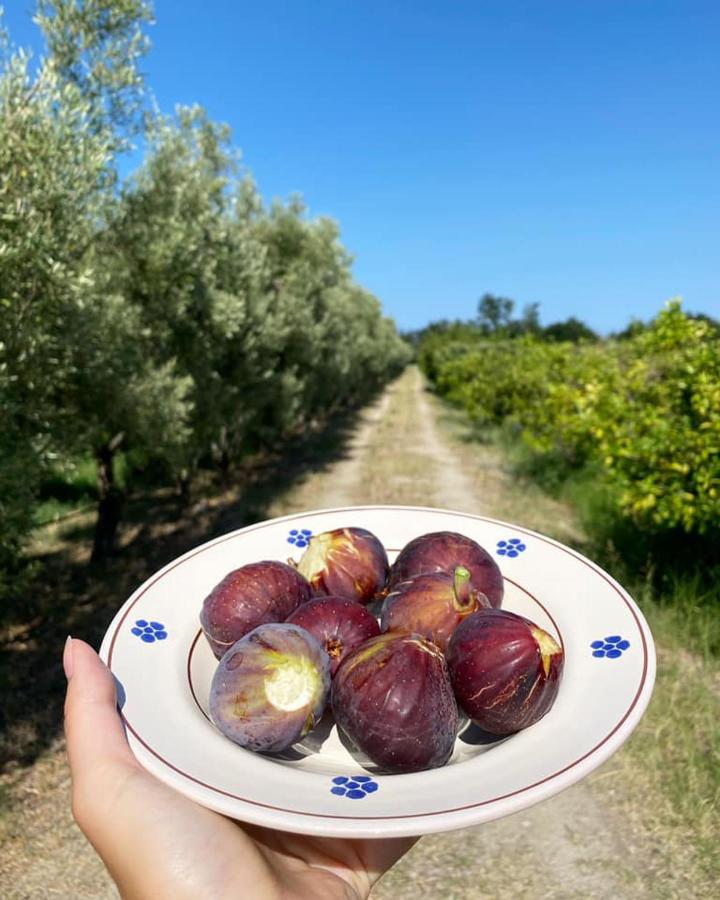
70,596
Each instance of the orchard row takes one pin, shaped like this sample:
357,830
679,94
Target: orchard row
173,315
644,411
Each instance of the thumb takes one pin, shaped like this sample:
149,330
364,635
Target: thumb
93,729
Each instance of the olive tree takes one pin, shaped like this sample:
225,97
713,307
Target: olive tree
53,177
181,263
175,316
61,122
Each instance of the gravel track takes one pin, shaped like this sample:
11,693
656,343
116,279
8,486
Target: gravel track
571,846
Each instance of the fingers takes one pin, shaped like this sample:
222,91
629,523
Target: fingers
357,862
382,855
94,732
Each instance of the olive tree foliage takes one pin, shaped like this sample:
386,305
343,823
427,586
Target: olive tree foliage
175,316
60,128
96,46
256,305
304,264
319,341
121,393
53,177
184,265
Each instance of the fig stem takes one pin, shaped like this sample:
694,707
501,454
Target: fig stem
462,594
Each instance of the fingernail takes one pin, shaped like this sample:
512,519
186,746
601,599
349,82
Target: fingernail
68,658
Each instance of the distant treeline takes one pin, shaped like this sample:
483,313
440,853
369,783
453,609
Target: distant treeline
496,318
173,317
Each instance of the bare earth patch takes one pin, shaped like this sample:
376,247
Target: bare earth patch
580,844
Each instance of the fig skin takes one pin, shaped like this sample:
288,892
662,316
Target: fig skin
505,670
442,551
255,594
432,605
393,698
338,624
271,688
346,562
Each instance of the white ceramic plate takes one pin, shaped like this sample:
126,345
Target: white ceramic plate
156,651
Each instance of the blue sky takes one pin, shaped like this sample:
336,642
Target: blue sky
564,153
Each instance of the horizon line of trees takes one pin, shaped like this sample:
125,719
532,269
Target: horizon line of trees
496,318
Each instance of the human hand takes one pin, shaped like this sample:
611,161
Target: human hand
158,844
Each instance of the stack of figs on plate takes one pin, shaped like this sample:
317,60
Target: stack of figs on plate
295,638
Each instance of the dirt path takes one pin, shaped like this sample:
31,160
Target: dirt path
572,846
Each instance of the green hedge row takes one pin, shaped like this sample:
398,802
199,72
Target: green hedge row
646,410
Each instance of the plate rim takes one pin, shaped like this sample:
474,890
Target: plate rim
396,825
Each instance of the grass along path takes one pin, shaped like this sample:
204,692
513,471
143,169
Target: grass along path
601,838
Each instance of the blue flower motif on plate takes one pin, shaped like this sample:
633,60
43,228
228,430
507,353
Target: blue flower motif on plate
299,537
611,647
512,547
355,787
149,632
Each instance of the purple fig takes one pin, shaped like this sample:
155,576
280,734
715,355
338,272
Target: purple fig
252,595
393,698
346,562
505,670
270,688
443,551
432,605
337,623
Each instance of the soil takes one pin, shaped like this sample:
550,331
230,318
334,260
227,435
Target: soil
401,450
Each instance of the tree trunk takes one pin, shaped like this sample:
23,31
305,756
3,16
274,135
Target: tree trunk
223,459
110,501
183,484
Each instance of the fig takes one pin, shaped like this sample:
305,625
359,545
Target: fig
432,605
252,595
443,551
337,623
505,670
393,698
270,688
346,562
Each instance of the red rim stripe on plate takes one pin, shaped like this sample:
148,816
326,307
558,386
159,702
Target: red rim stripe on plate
440,812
